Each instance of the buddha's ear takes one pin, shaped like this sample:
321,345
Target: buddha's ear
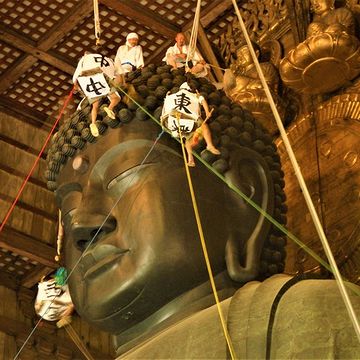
249,229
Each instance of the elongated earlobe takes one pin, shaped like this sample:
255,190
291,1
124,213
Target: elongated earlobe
251,175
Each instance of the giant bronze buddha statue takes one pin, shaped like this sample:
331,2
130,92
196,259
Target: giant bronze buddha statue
131,238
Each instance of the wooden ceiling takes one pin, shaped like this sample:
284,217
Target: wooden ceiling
41,42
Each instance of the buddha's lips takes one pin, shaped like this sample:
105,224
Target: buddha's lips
100,258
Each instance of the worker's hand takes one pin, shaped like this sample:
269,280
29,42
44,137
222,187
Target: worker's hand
182,56
202,62
76,86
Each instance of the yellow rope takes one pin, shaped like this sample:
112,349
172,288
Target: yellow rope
203,244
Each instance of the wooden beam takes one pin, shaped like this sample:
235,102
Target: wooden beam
8,280
15,71
28,207
210,13
22,112
66,24
35,275
27,246
21,146
19,329
143,15
22,175
26,47
209,53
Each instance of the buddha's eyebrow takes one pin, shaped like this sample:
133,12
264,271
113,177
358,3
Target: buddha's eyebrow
127,172
64,189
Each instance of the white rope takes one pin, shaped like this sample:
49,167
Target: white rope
301,180
194,33
97,22
59,240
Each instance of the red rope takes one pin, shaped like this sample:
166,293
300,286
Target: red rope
35,162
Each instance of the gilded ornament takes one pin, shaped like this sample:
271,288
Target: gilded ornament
330,56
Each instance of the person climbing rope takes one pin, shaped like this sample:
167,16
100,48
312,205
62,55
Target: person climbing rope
181,115
91,76
53,301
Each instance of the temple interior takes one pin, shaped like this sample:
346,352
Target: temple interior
292,79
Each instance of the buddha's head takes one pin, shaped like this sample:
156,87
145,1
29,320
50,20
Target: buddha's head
128,215
322,6
243,55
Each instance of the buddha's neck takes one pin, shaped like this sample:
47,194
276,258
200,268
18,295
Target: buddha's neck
183,306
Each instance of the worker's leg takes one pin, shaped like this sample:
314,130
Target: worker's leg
207,136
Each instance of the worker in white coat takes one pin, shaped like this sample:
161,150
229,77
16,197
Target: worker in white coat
129,57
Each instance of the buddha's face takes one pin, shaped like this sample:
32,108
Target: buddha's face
321,6
244,56
148,250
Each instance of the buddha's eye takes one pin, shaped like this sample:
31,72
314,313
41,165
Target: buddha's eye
70,202
128,177
68,197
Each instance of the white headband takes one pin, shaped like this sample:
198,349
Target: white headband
132,36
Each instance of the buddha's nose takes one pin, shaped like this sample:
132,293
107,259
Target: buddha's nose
87,228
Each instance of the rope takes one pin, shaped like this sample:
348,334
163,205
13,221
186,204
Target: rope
203,245
97,22
301,180
77,341
35,162
90,243
216,67
194,33
59,240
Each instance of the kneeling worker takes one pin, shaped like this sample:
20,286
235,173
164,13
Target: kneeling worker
182,113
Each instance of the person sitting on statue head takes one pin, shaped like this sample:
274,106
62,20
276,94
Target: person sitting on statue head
129,57
92,75
331,20
176,57
182,109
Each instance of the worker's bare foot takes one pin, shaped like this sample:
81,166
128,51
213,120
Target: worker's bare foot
213,150
109,113
94,130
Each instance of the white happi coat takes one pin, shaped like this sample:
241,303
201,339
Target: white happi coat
52,301
90,73
184,105
128,56
174,50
